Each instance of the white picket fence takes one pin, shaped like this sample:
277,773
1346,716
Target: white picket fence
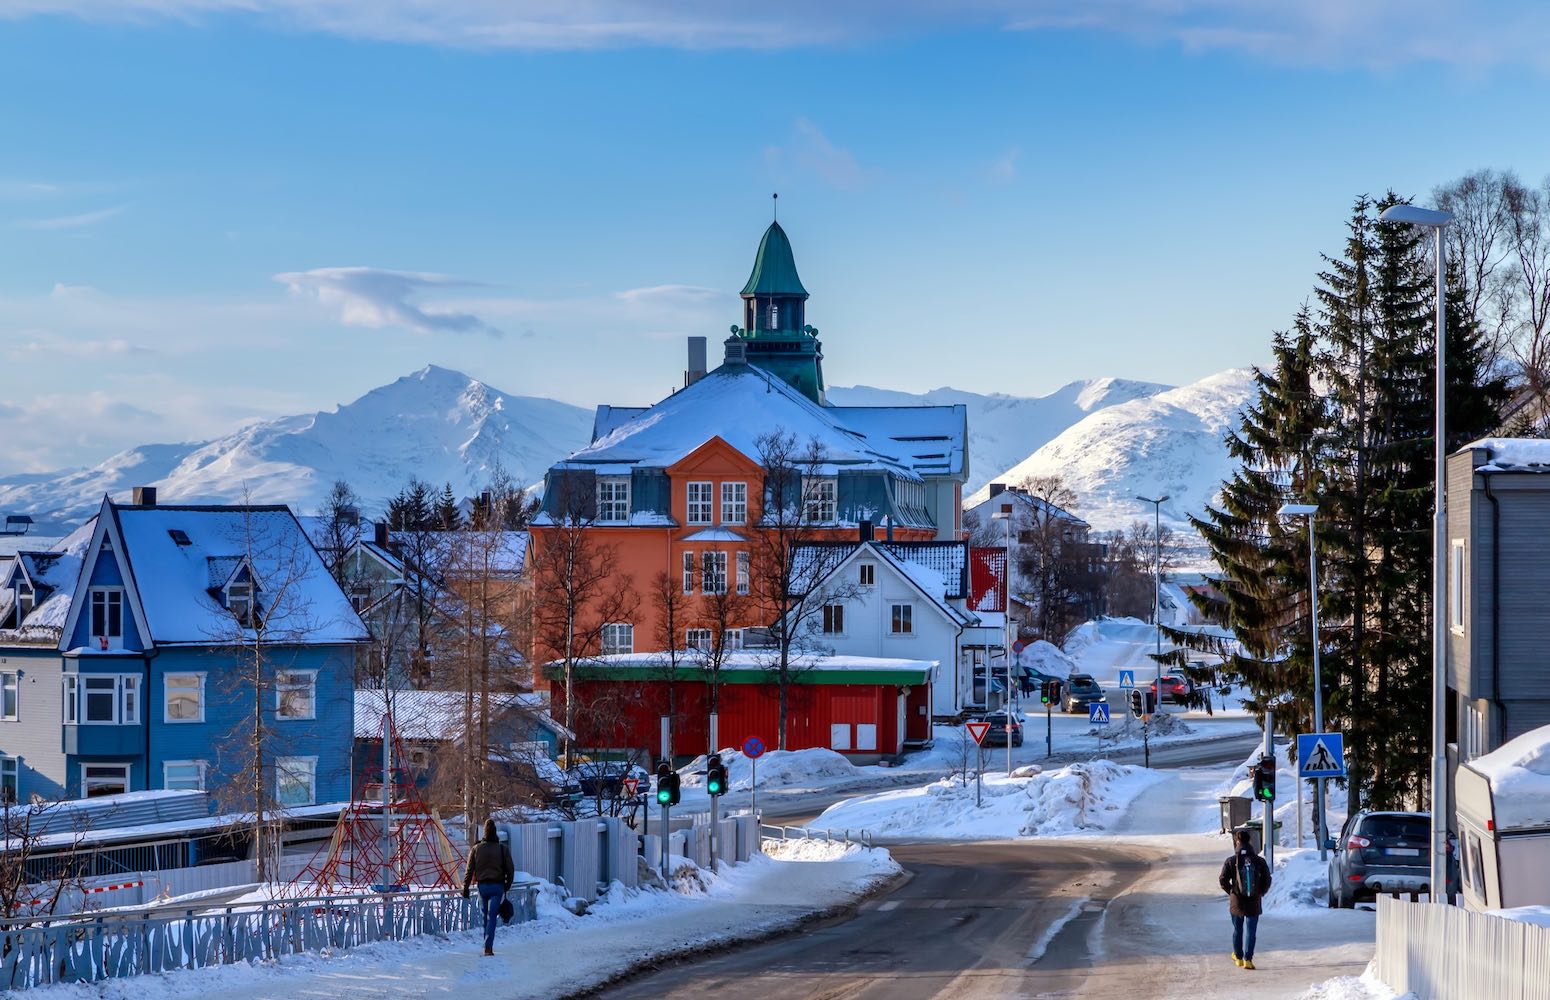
585,855
737,841
1444,952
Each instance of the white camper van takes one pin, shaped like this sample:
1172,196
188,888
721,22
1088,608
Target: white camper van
1503,806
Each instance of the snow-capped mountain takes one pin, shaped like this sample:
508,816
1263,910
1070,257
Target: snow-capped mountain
440,425
1170,443
1004,429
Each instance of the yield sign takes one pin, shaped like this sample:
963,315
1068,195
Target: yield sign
631,786
978,731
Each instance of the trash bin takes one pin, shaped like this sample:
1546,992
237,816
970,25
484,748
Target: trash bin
1256,833
1236,810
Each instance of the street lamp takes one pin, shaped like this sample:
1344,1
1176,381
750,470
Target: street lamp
1005,514
1437,221
1157,584
1310,511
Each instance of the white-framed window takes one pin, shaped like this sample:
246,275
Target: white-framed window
107,613
713,572
866,574
296,781
10,789
1472,731
104,779
734,639
702,503
239,601
688,572
10,695
820,496
742,572
618,637
697,638
901,619
834,619
26,602
613,499
734,503
866,736
102,699
839,736
296,694
1456,586
183,698
183,774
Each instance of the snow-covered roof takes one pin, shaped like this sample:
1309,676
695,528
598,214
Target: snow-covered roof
452,551
714,535
1512,454
173,579
52,575
740,402
1025,506
1519,773
437,715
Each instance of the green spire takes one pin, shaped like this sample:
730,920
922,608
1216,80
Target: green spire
774,267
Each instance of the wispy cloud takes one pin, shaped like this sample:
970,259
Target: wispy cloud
810,151
377,298
77,221
69,348
1471,33
1004,167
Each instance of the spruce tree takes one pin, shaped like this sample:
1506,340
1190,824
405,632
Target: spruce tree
446,516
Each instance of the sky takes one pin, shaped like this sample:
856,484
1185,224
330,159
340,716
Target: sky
220,211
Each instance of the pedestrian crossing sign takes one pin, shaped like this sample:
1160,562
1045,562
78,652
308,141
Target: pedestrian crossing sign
1320,755
1127,678
1098,713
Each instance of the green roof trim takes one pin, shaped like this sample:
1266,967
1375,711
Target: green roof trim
774,267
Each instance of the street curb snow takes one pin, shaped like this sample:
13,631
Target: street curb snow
664,957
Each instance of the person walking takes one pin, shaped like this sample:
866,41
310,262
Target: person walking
1245,878
490,865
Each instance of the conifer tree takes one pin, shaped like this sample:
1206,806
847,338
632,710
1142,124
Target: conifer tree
446,516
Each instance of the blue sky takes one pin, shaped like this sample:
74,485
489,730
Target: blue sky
212,216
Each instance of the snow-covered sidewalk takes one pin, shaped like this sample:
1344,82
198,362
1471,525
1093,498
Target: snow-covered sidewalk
558,955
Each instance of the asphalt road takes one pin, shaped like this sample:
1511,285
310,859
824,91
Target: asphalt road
973,920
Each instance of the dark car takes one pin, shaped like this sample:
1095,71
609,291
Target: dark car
995,736
1175,688
605,779
1380,852
1080,691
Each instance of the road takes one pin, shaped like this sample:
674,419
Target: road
974,920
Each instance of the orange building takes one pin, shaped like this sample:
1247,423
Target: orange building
679,487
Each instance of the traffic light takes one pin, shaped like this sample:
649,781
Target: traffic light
1046,692
1265,780
667,785
715,776
1137,705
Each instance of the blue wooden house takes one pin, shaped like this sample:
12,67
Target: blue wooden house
131,653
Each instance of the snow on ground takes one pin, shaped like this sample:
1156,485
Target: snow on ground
1539,915
777,769
1364,987
1082,798
560,954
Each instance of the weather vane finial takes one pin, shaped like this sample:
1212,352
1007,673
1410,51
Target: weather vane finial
775,207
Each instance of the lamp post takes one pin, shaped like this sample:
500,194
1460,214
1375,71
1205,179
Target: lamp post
1437,221
1005,514
1157,585
1310,511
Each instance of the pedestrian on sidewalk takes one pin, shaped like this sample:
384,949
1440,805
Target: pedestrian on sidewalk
1245,878
490,865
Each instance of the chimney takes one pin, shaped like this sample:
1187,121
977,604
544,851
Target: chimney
696,369
379,534
996,489
737,350
143,496
864,530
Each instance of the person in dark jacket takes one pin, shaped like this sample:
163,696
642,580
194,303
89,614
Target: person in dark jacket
490,865
1245,878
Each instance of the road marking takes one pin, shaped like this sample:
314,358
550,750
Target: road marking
892,904
1056,926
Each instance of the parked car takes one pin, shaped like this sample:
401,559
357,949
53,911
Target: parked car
1380,852
996,735
1175,688
607,777
1080,691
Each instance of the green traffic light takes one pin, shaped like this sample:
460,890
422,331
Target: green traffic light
714,787
664,796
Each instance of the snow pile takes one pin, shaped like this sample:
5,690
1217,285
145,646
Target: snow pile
1519,772
1163,724
777,769
1514,453
1081,798
1367,986
1299,886
1537,915
1046,658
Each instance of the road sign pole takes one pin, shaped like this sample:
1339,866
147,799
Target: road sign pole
1268,830
979,766
715,801
1049,732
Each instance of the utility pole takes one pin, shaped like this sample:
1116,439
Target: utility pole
1006,514
1268,827
1157,584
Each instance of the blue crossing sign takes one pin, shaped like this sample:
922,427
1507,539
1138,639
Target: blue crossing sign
1320,755
1127,678
1098,712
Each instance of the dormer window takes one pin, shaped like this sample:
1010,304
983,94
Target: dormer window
26,601
613,499
239,601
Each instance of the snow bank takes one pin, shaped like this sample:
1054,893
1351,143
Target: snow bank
1046,658
1299,885
777,769
1538,915
1078,799
1367,986
1519,772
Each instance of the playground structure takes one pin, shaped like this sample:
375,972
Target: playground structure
387,840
